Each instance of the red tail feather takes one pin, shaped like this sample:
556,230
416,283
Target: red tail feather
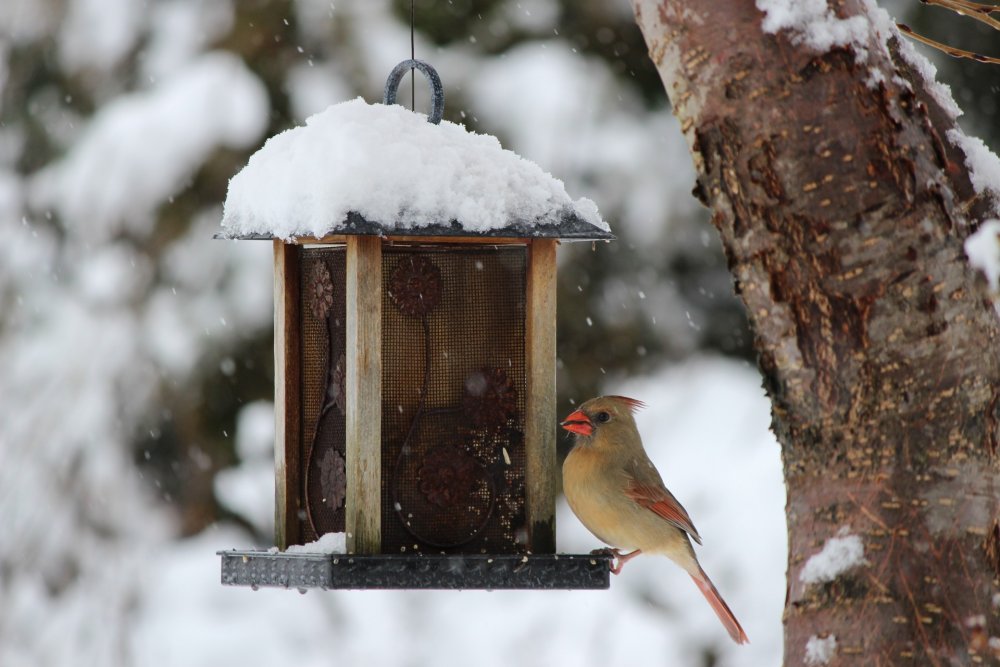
722,610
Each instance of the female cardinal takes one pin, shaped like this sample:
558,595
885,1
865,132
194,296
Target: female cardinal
615,491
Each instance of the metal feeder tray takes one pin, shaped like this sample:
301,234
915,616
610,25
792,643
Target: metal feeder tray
438,571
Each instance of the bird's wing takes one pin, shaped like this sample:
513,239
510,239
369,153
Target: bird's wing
658,499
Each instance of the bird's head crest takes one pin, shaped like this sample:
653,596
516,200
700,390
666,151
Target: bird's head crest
634,405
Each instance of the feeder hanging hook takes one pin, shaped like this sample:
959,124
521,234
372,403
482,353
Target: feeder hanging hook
437,89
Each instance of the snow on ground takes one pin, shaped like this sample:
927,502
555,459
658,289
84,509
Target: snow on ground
706,428
394,168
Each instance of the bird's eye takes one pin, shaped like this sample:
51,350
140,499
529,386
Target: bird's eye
603,417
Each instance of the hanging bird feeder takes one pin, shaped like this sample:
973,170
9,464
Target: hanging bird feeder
415,346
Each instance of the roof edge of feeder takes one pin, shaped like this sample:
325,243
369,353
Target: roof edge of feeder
568,226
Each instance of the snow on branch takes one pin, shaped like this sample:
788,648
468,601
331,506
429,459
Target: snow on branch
839,554
813,23
983,250
983,164
820,650
144,146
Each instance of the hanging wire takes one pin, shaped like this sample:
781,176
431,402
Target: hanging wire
413,75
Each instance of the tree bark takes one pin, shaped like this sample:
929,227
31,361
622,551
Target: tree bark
843,207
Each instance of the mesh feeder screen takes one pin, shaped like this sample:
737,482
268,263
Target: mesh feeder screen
453,387
323,309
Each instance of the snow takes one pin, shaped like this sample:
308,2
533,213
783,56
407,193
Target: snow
330,543
144,146
566,113
93,329
983,250
180,31
983,164
249,492
814,23
313,88
248,489
24,21
113,275
820,650
885,30
941,92
652,611
97,34
255,431
839,555
392,167
538,16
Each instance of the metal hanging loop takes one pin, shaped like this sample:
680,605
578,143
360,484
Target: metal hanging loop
437,90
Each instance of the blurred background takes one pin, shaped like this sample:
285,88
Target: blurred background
135,352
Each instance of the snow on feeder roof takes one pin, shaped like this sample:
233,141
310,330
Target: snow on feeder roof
360,168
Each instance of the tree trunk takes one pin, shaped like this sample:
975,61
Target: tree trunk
843,207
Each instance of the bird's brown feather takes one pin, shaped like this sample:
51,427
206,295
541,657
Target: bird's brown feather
661,502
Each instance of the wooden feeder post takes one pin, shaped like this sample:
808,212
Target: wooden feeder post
287,394
540,422
415,390
364,395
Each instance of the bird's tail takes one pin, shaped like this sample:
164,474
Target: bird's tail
720,607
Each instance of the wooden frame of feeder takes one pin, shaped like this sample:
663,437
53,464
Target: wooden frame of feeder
364,566
364,384
535,565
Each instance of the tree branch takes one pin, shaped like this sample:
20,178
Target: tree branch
976,10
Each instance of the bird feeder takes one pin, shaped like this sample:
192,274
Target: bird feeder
415,347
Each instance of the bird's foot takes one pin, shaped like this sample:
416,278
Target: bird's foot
618,558
621,559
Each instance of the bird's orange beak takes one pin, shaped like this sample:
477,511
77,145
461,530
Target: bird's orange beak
579,423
